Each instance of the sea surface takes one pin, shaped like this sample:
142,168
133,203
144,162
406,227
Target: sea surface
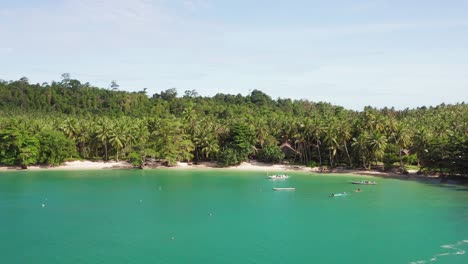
225,216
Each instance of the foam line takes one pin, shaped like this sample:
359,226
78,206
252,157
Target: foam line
456,251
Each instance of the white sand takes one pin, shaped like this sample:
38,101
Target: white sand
79,165
259,166
245,166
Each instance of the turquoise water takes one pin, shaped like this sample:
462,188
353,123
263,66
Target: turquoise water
168,216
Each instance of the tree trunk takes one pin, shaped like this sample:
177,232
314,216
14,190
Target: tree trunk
105,149
320,156
401,161
347,153
83,149
306,157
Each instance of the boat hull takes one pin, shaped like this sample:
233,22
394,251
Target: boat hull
363,183
284,189
338,194
278,177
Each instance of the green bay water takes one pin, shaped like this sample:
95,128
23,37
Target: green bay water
224,216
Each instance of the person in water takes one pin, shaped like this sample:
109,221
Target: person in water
331,195
358,190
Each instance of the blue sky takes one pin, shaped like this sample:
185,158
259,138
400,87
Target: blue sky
351,53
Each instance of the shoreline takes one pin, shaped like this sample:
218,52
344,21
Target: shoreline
245,166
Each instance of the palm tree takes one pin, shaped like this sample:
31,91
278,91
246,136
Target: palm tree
83,137
206,140
259,125
378,144
117,137
402,138
344,134
171,142
421,141
332,138
361,146
70,127
103,133
141,132
317,130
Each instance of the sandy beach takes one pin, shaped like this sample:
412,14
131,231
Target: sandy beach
245,166
76,165
276,168
97,165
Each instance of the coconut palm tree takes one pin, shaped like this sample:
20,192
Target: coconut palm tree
70,127
361,146
117,137
317,130
402,136
103,133
344,135
378,143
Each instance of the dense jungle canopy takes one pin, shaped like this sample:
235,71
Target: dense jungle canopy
50,123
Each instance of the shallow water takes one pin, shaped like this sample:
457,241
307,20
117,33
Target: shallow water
168,216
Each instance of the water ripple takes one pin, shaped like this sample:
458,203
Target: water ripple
455,248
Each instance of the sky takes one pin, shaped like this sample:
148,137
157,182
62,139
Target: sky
352,53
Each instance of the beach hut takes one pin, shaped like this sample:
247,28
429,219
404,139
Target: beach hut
288,150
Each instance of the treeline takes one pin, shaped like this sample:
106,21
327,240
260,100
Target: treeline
49,123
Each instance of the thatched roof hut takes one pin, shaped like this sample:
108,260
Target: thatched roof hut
288,150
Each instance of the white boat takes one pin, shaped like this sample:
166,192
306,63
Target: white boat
338,194
363,182
278,176
285,189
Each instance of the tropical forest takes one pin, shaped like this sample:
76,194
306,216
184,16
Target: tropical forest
50,123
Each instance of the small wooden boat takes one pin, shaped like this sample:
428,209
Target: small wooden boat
363,182
278,176
285,189
338,194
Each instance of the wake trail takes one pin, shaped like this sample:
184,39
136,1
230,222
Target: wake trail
455,248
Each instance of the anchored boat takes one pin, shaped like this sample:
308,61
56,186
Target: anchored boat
285,189
338,194
363,182
278,176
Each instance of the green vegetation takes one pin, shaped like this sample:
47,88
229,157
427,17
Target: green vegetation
49,123
270,154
